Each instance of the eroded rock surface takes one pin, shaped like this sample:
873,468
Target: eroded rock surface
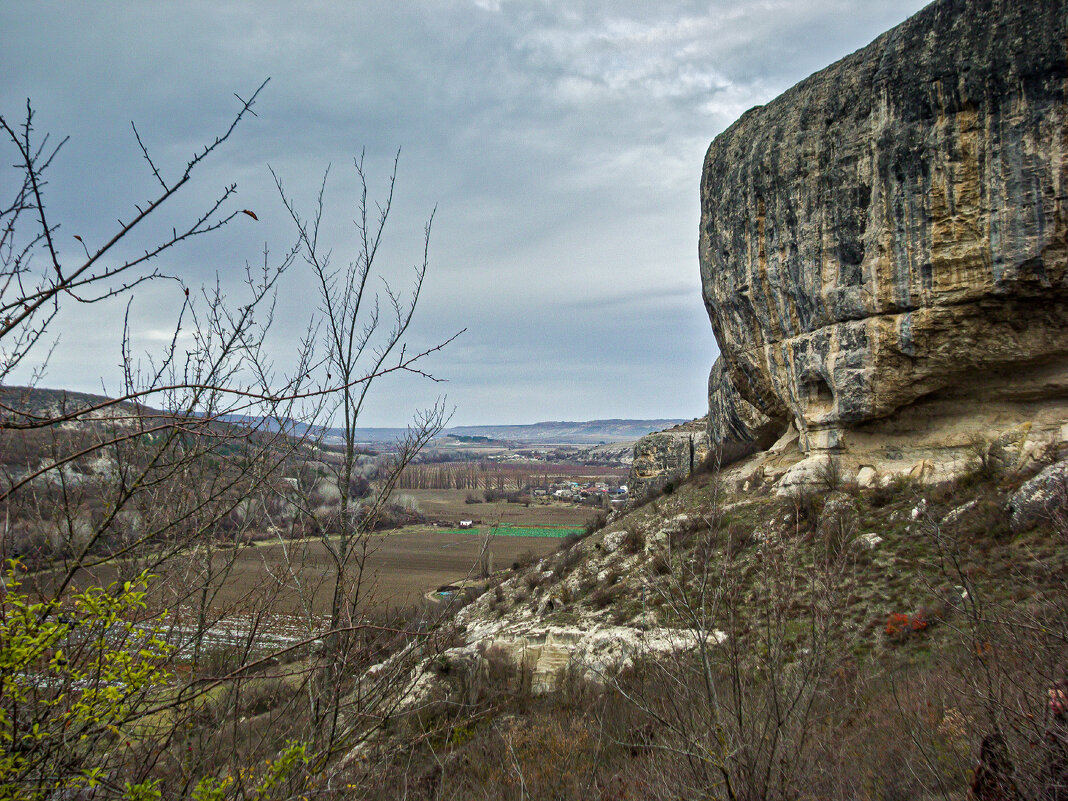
665,456
736,427
888,237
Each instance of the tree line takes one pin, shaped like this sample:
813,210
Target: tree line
474,476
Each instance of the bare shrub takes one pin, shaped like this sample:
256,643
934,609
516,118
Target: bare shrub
565,563
983,461
899,487
485,564
524,560
634,541
605,595
807,507
738,540
596,523
661,564
568,542
740,706
830,475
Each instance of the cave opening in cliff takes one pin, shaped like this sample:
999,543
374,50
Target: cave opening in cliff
816,395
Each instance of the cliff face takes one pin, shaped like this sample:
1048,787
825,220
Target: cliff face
665,456
892,229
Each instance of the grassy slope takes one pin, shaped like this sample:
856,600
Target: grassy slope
898,705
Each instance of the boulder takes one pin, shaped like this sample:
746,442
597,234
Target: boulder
867,476
737,428
1044,497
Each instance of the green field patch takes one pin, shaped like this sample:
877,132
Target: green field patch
518,531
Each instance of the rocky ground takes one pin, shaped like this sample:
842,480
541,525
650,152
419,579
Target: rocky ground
889,583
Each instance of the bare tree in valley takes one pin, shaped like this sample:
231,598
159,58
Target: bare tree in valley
734,713
162,479
361,331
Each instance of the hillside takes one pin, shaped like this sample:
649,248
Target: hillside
844,632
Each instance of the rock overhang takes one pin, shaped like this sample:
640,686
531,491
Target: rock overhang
892,227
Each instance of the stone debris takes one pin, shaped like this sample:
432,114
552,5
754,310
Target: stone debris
867,476
613,540
869,540
594,652
660,538
953,516
762,534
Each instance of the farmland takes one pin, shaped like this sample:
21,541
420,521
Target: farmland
450,506
520,531
401,567
296,578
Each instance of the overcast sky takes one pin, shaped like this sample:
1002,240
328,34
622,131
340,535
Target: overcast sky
561,143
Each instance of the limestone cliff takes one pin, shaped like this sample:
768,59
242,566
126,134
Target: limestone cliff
735,426
665,456
890,235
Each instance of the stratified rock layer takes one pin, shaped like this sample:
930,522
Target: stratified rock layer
894,227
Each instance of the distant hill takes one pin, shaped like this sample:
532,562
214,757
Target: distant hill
52,402
43,402
559,432
591,432
62,423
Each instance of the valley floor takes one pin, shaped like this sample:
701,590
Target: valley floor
401,568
